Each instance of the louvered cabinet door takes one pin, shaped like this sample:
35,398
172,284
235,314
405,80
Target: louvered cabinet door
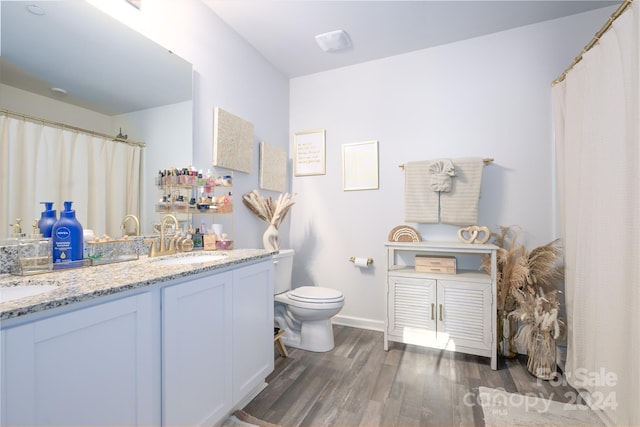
464,314
411,309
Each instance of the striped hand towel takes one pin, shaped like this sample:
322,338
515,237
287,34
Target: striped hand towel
460,205
420,201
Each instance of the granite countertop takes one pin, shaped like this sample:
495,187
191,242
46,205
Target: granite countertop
83,284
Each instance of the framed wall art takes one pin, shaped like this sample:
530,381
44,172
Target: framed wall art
232,142
360,166
273,168
309,153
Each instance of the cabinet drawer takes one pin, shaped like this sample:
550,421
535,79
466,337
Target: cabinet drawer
434,269
431,264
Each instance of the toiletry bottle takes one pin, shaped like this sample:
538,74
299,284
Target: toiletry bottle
47,219
67,237
197,239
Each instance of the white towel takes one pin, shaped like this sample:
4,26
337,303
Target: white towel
420,201
460,205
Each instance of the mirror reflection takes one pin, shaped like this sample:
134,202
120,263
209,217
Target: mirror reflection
68,63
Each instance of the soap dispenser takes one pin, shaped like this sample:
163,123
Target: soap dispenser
67,239
34,254
47,219
16,233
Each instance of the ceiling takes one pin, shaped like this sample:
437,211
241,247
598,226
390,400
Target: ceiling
283,31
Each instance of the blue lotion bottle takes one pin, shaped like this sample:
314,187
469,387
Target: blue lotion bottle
47,219
67,238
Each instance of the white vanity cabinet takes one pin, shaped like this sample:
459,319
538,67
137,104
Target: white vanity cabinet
217,341
196,320
185,352
93,366
447,311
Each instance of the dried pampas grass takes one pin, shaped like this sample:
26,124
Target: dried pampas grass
268,210
527,290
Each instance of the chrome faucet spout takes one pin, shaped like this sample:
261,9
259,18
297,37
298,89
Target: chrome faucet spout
135,219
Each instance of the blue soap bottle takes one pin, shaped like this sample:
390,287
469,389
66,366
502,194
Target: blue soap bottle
67,237
47,219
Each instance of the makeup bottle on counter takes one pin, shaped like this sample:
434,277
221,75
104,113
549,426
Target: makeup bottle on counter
197,239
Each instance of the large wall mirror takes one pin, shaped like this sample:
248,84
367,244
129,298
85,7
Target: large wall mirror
109,78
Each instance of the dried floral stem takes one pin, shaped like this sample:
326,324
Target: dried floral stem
265,208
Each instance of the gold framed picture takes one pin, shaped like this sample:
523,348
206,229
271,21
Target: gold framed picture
309,153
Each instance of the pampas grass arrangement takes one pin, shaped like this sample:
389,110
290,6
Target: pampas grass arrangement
270,211
527,293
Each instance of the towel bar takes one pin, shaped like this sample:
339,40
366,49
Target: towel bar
487,161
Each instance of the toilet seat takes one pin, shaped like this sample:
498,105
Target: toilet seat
315,294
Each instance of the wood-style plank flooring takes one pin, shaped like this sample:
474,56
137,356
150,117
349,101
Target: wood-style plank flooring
360,384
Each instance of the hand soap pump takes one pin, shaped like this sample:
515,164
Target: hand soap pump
47,219
34,254
67,239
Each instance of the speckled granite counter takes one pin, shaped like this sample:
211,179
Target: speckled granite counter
83,284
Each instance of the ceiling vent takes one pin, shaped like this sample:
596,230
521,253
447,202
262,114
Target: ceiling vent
333,41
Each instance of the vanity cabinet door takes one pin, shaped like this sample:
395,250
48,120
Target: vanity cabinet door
93,366
196,356
252,328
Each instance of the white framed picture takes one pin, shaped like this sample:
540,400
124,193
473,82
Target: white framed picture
360,166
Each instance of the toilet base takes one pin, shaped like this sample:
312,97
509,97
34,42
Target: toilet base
314,335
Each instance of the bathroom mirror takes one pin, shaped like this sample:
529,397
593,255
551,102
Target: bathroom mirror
103,66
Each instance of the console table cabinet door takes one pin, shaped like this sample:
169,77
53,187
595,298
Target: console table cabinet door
412,309
465,313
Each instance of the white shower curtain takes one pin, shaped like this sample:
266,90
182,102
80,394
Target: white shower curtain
596,119
41,162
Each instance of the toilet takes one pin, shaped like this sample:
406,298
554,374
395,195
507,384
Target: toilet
305,312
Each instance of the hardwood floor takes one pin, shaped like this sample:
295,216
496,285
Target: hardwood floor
360,384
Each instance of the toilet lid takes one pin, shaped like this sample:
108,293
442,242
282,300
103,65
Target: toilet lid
315,294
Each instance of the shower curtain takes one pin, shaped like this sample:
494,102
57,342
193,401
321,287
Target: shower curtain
597,119
41,162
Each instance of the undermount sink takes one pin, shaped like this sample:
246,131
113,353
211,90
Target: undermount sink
188,258
10,293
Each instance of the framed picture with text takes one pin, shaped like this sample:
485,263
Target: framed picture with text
309,153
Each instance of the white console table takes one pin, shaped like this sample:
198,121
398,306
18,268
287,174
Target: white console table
455,312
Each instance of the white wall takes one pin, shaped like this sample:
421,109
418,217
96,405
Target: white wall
484,97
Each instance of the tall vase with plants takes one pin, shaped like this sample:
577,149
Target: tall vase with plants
527,286
270,211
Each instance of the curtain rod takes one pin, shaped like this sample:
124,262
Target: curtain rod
77,129
486,161
596,38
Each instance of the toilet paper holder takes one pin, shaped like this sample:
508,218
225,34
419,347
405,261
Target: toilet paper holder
353,259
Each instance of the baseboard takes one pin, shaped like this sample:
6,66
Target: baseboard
359,322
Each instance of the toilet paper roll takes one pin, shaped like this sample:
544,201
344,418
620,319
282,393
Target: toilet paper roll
361,262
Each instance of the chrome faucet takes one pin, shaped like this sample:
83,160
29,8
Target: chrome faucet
135,219
164,250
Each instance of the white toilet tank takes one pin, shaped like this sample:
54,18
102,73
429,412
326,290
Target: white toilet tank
283,266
